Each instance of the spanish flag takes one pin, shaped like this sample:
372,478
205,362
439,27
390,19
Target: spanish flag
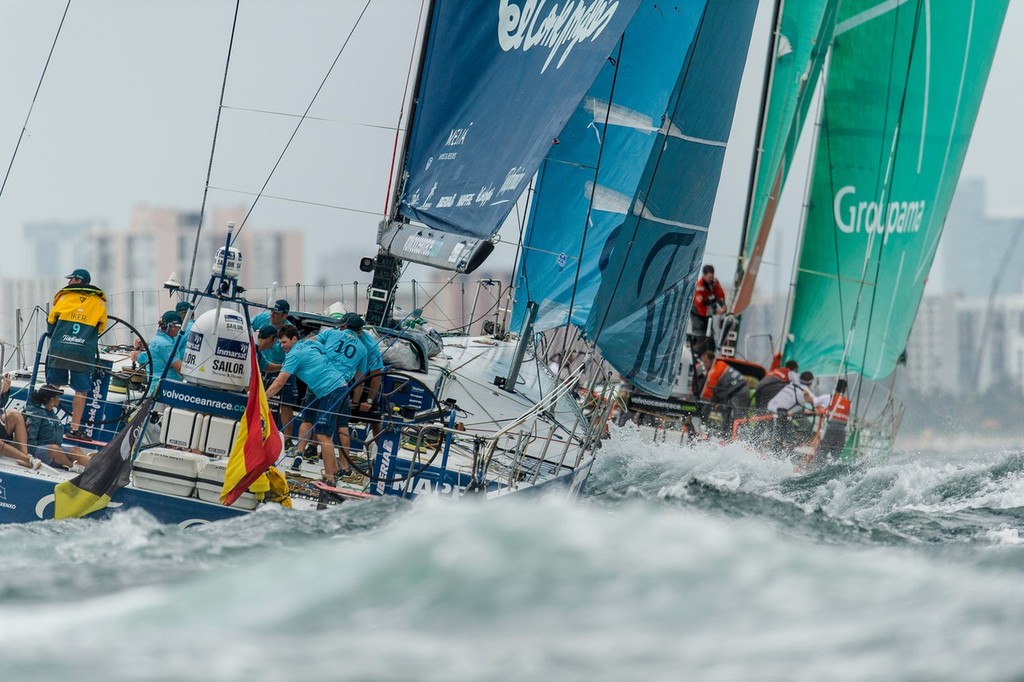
258,443
108,471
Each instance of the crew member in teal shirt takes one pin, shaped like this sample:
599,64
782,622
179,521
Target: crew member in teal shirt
329,410
160,349
274,355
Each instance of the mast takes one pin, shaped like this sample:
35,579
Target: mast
766,86
804,209
803,32
731,328
386,268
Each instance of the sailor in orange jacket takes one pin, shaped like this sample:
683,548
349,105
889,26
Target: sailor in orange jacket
725,385
838,415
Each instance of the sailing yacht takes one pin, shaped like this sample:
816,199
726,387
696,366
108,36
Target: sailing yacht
623,203
484,417
900,84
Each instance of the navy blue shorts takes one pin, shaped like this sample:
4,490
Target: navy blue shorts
329,413
80,381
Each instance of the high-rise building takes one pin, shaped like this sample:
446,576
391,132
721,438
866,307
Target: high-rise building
979,253
54,246
23,309
132,265
933,350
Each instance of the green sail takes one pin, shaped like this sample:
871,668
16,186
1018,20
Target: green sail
803,36
903,89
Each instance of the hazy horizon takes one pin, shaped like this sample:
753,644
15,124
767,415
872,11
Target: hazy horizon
126,113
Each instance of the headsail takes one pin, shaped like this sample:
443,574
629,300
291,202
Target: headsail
904,87
588,180
640,313
802,40
496,87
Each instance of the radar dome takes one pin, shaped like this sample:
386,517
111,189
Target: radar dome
228,259
217,351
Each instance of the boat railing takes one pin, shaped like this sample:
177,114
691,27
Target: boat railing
22,325
513,430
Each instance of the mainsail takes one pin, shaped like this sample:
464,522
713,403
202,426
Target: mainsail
587,182
803,33
639,315
904,85
495,89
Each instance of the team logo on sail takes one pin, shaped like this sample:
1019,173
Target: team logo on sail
564,25
876,217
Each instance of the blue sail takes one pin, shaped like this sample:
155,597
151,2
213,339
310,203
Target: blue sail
499,81
639,316
588,180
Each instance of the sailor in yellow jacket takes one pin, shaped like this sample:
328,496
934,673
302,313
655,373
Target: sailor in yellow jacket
77,318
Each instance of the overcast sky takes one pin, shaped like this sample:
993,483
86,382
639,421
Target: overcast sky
126,113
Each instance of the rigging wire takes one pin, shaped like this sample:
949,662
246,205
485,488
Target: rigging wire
590,204
804,210
292,200
321,119
302,118
213,145
759,145
521,222
35,96
628,247
990,305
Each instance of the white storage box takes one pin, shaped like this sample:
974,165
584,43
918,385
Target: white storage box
218,436
181,427
211,480
172,472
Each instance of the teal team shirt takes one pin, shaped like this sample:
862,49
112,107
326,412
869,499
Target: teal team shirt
275,354
374,360
308,361
345,351
159,356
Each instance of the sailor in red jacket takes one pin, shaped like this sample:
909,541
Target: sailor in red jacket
708,299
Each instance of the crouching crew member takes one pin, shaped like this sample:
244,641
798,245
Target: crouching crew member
774,381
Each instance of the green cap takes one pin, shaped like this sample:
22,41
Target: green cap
80,273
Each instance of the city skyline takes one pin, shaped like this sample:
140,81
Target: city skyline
126,112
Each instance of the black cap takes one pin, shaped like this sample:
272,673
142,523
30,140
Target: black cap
281,306
354,322
806,378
